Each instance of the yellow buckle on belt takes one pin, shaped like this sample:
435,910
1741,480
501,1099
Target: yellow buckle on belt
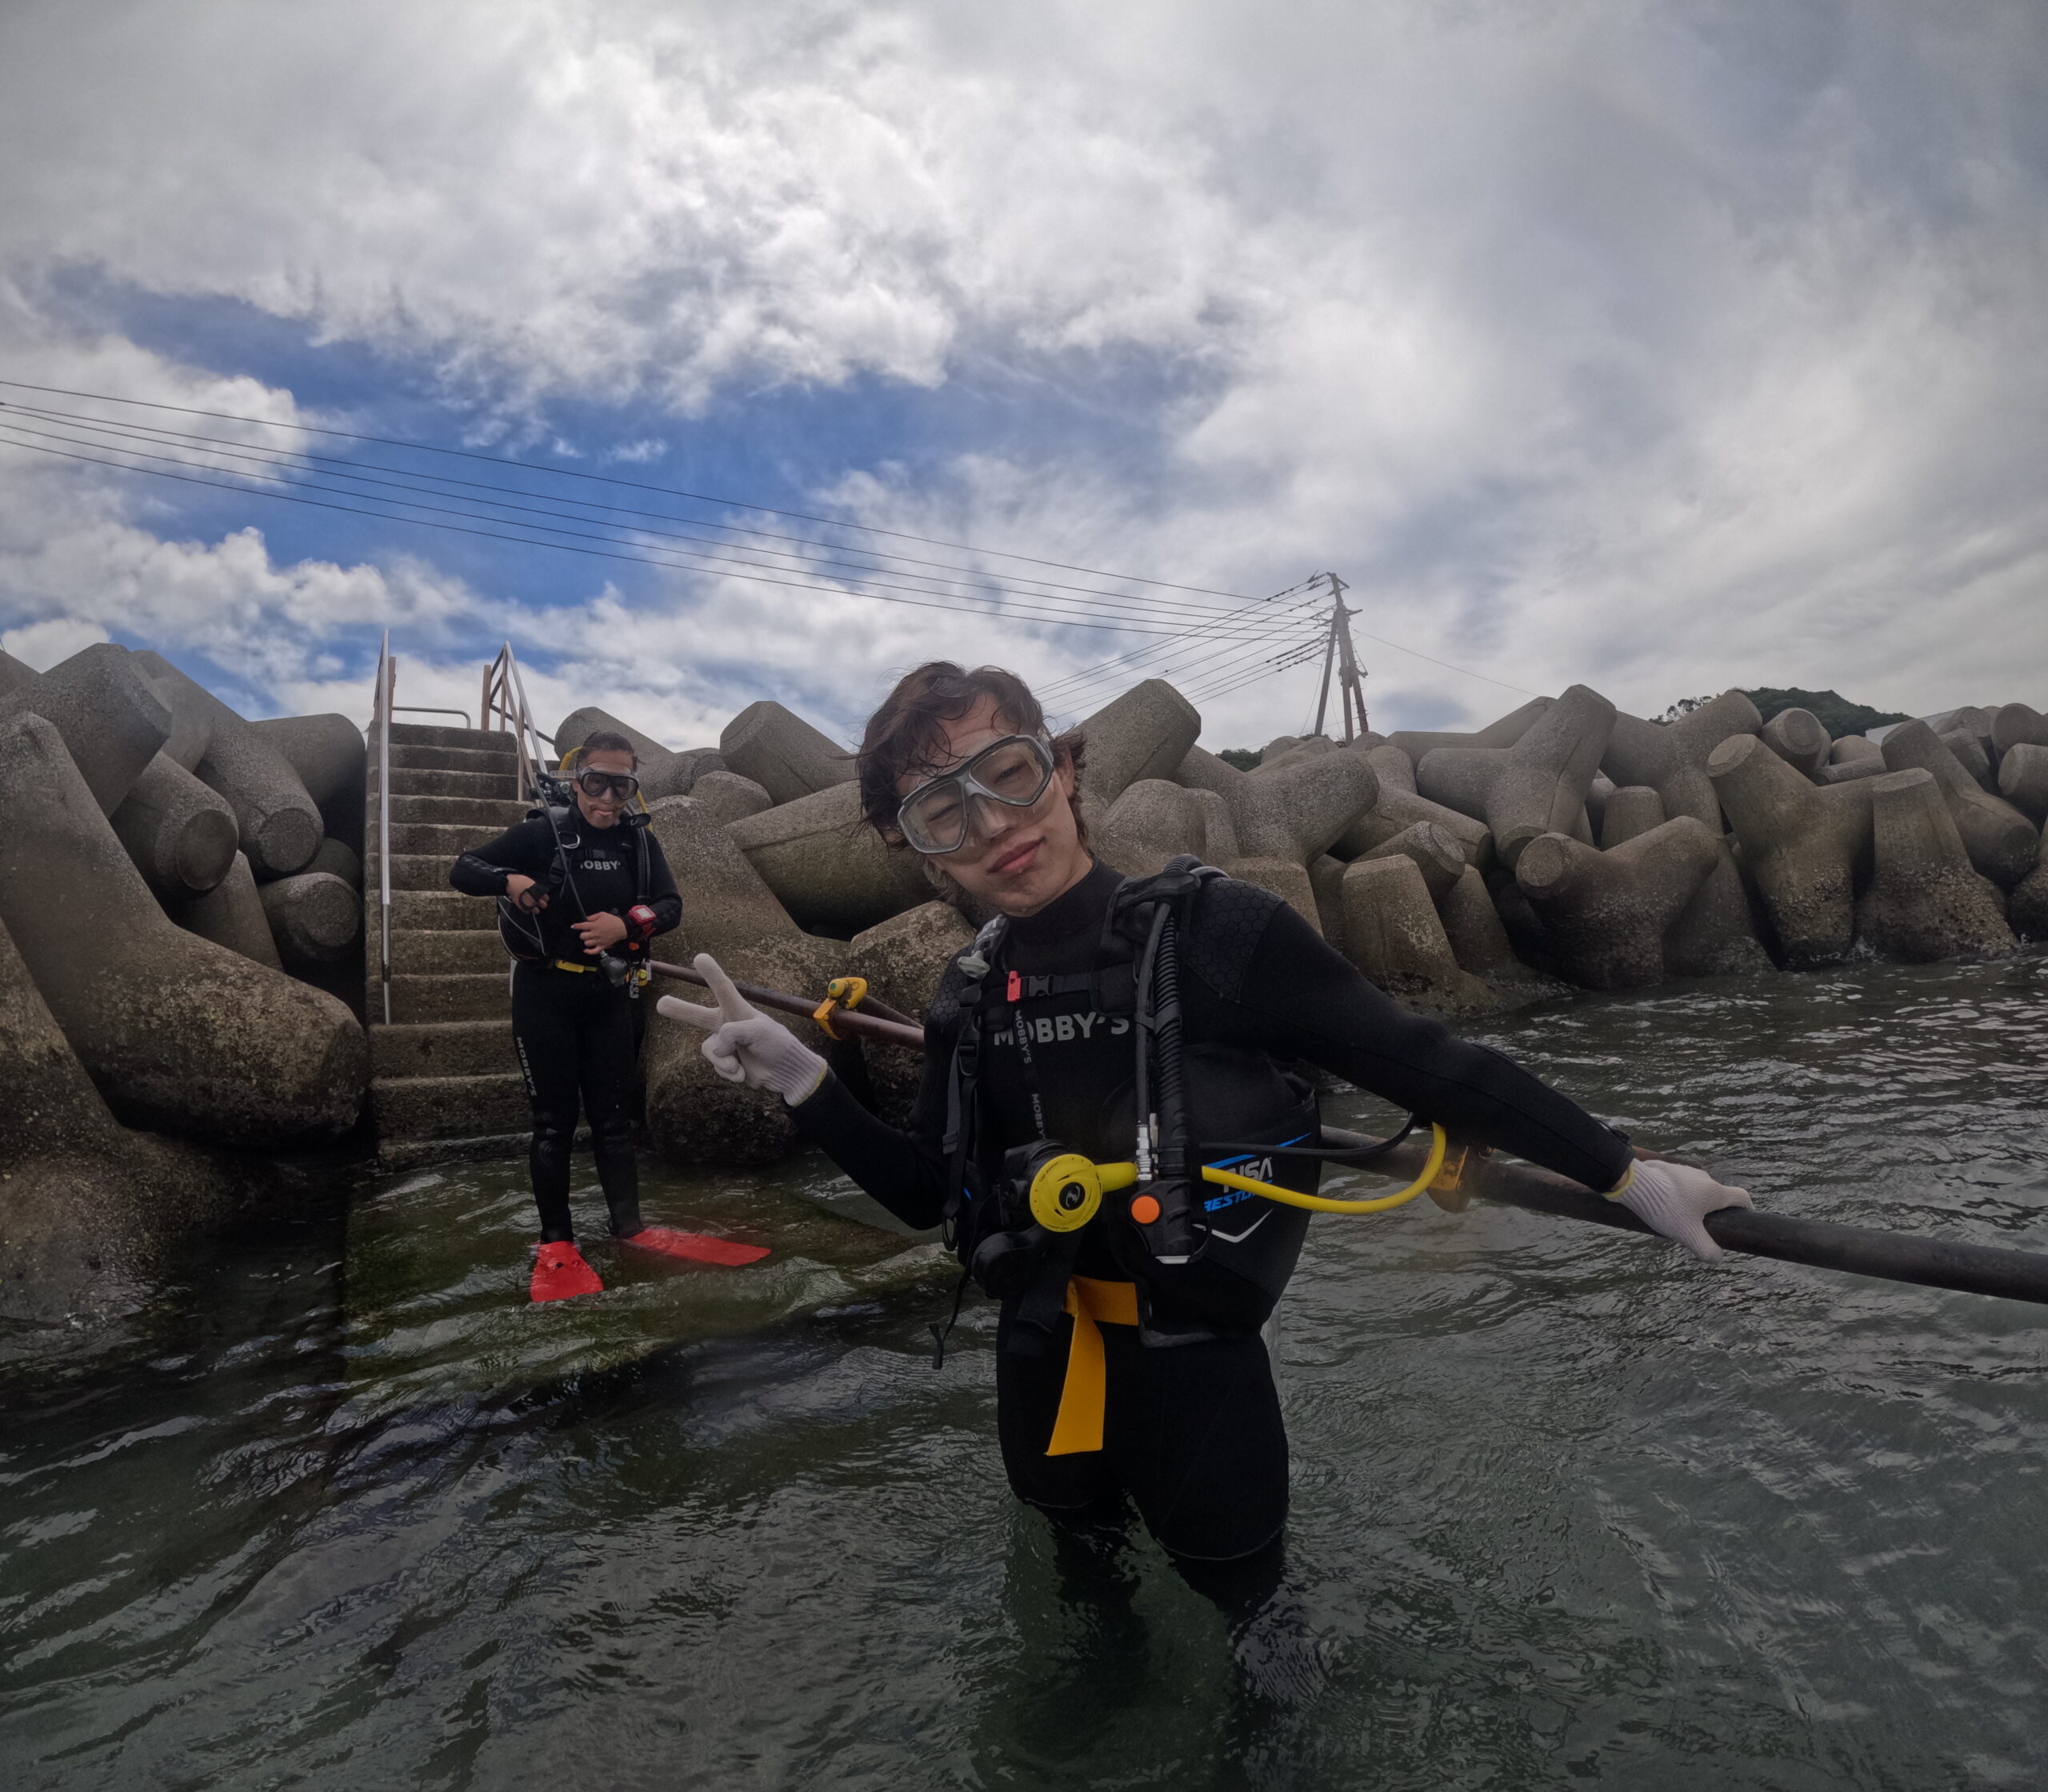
1078,1426
848,993
571,964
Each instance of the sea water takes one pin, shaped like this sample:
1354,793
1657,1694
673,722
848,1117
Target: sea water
340,1510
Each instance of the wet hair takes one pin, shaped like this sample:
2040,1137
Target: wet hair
906,736
604,741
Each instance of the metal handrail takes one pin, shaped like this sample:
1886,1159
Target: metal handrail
428,709
505,710
380,721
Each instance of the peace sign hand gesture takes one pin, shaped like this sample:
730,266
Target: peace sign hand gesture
744,1045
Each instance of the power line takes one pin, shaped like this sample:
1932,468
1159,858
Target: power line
404,480
1124,603
599,553
1164,659
1066,607
636,485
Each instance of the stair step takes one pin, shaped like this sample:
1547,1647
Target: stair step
447,952
448,1107
417,1153
476,740
494,813
443,1049
473,996
449,758
440,839
498,785
411,871
441,911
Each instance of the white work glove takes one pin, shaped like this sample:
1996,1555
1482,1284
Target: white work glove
1672,1199
744,1045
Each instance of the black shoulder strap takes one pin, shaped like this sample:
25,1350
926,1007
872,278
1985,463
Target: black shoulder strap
964,1074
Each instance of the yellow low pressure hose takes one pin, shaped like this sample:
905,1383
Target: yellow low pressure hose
1323,1203
1067,1191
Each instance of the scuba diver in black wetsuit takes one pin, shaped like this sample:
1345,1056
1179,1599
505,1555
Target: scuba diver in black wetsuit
582,888
1129,1359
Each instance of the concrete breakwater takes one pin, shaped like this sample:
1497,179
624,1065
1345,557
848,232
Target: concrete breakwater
183,961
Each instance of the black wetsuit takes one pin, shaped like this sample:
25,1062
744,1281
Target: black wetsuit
575,1030
1192,1429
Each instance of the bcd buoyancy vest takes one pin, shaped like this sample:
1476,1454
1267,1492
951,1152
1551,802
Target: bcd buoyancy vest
1220,1270
522,932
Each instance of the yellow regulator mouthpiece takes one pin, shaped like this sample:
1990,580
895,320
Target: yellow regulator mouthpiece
1067,1191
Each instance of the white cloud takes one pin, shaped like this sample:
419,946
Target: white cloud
1663,347
42,645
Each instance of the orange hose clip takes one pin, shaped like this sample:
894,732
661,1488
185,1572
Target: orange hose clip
846,993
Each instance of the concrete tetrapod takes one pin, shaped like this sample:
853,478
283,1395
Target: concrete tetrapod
329,754
903,960
728,796
1672,757
1299,812
2026,909
1852,757
1606,913
1436,853
180,833
1478,940
726,905
337,861
1146,733
1393,934
1924,903
1506,732
694,1115
827,866
783,753
1804,846
231,915
2017,725
1973,754
1152,822
177,1033
1597,793
14,673
1714,936
2001,842
1630,811
1538,785
1398,807
314,919
87,1207
108,715
2023,780
278,820
1799,738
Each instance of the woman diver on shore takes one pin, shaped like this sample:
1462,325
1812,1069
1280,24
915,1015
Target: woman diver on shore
583,891
1129,1359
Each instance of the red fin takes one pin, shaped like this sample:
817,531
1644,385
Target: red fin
696,1247
560,1273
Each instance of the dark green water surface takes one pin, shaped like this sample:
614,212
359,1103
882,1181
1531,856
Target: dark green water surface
341,1510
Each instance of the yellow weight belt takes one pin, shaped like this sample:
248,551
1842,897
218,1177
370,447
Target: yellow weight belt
1078,1427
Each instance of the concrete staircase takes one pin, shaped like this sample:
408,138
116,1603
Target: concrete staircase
445,1082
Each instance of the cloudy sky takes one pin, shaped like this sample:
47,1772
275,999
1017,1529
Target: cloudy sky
1661,347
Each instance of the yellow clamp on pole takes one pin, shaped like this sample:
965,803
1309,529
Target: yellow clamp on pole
1067,1192
1448,1190
1323,1203
848,993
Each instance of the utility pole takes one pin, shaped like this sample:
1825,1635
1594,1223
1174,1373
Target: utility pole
1349,673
